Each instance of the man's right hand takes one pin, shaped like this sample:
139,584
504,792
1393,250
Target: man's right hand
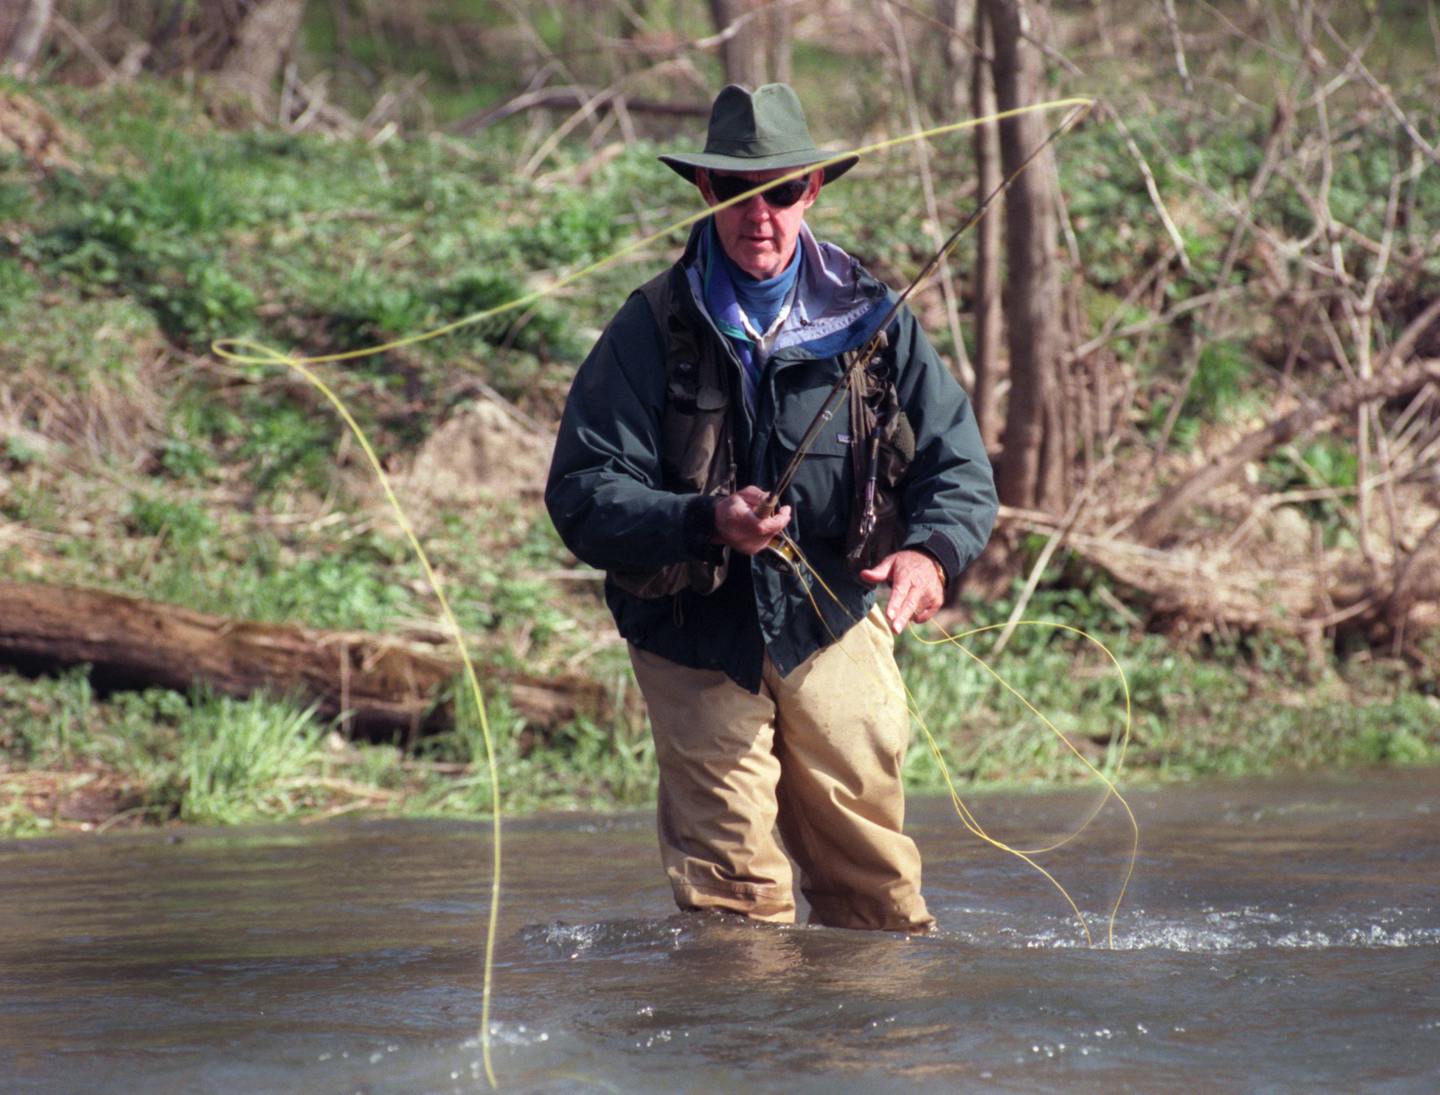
738,526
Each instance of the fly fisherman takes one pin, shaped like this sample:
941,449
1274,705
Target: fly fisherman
772,702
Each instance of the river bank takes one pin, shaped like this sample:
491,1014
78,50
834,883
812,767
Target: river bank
74,759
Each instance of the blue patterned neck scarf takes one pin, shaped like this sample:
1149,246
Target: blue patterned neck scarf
743,306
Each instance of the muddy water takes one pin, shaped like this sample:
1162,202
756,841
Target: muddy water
1277,937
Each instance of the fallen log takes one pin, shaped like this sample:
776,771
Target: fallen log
1155,522
383,686
1194,590
572,98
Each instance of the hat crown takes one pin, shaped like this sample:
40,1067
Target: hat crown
763,130
766,122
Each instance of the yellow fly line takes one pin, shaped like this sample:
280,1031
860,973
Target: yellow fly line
252,352
967,817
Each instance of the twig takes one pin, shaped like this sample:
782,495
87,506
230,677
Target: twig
587,111
1151,187
1173,22
1396,607
1408,423
927,185
1211,320
1154,522
1117,313
85,47
1382,93
1404,346
1067,523
1164,319
569,95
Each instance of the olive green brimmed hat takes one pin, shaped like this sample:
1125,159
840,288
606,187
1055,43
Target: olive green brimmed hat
762,130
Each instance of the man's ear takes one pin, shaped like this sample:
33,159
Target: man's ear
702,180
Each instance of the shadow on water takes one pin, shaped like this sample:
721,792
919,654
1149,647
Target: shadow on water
1277,936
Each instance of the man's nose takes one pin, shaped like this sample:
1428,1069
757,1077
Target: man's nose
754,207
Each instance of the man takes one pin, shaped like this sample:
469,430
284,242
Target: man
772,702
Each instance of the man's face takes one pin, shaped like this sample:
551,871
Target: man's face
758,237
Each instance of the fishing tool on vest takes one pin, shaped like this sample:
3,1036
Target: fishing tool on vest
877,521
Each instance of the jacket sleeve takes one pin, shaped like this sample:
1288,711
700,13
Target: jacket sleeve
949,493
604,492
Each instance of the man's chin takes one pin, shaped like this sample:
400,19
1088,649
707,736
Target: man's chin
758,262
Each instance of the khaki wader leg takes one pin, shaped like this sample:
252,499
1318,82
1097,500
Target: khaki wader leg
714,742
820,753
844,732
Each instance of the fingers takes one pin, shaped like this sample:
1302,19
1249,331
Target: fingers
738,525
916,592
902,607
880,572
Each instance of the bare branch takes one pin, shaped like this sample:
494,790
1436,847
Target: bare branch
1382,93
1173,22
963,368
572,96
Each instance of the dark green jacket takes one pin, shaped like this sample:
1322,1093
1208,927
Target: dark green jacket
608,500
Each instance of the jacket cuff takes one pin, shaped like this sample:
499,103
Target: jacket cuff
939,547
697,527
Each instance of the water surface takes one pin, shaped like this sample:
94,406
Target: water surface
1277,936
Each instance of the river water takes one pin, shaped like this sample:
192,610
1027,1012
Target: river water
1277,936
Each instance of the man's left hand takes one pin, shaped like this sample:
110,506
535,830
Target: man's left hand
916,589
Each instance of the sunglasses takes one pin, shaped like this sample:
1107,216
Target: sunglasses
780,196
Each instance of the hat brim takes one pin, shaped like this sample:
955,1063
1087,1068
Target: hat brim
685,165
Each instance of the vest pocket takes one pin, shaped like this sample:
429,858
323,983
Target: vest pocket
693,434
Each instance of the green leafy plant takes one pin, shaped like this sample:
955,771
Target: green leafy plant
242,759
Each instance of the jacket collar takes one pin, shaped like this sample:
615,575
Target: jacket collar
837,307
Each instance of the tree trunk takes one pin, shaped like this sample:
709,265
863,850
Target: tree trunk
778,34
985,277
1032,466
742,51
262,42
951,97
383,687
23,25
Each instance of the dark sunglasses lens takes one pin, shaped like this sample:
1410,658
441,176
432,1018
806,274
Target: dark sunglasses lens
780,196
786,194
727,186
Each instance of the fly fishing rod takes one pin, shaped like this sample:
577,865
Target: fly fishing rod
781,552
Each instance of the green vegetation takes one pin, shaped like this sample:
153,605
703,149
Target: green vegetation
1229,709
1249,707
134,460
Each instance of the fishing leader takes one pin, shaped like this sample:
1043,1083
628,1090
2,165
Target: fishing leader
773,693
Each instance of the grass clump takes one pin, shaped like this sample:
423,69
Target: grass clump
239,760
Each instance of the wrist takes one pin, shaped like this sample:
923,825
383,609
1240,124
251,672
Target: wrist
699,525
939,568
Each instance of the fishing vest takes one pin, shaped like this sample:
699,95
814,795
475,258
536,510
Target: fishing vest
697,445
697,437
